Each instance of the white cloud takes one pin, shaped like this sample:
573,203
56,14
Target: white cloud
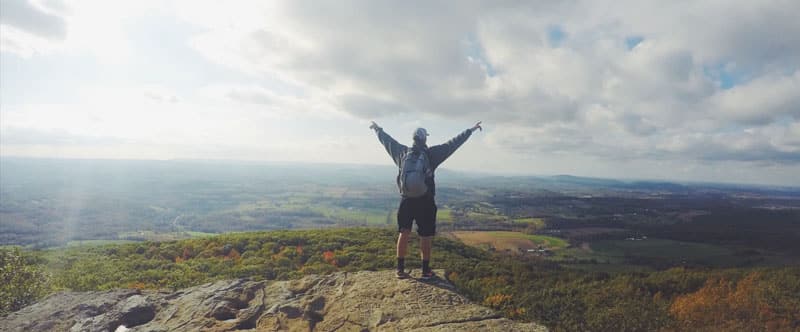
762,100
584,93
706,82
93,27
32,18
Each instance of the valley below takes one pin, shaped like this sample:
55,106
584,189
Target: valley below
566,252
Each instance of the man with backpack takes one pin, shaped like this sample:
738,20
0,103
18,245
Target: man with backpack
417,188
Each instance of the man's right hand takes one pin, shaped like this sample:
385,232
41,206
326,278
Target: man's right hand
374,126
476,127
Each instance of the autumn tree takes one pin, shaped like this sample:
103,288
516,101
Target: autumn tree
724,305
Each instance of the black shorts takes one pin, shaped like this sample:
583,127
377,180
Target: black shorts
421,209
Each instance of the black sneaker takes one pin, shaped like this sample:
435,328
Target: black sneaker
402,274
427,275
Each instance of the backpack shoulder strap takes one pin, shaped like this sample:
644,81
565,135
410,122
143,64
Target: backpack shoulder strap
428,168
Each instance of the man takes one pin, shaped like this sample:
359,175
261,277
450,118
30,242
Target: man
417,188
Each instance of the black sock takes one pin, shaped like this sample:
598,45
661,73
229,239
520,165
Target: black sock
401,264
426,266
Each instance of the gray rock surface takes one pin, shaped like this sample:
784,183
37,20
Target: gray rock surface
361,301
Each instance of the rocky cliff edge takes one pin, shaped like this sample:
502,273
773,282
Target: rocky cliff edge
360,301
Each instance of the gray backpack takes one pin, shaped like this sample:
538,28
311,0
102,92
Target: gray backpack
414,169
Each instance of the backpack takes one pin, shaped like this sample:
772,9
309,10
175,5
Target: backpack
414,170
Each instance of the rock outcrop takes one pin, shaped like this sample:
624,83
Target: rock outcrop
361,301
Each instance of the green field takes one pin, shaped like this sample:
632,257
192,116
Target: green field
353,215
200,234
549,241
538,222
481,216
514,241
444,215
310,206
94,243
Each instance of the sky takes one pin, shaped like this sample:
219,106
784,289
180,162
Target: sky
666,90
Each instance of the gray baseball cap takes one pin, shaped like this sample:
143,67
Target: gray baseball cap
421,134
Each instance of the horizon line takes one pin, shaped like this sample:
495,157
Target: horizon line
465,172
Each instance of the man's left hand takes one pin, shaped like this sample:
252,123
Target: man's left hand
374,126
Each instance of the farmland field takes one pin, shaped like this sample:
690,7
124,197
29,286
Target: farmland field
538,222
513,241
444,215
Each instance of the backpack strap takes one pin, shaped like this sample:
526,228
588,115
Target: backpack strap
428,169
424,151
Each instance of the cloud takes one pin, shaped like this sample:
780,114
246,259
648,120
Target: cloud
779,144
52,137
257,100
160,94
96,28
27,28
370,107
33,19
565,73
763,100
253,95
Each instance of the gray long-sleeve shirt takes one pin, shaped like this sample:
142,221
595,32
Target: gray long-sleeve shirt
437,154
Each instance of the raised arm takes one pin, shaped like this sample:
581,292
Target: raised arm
395,150
440,153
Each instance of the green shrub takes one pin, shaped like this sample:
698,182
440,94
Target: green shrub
22,281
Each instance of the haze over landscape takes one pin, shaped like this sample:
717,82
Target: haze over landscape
706,91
